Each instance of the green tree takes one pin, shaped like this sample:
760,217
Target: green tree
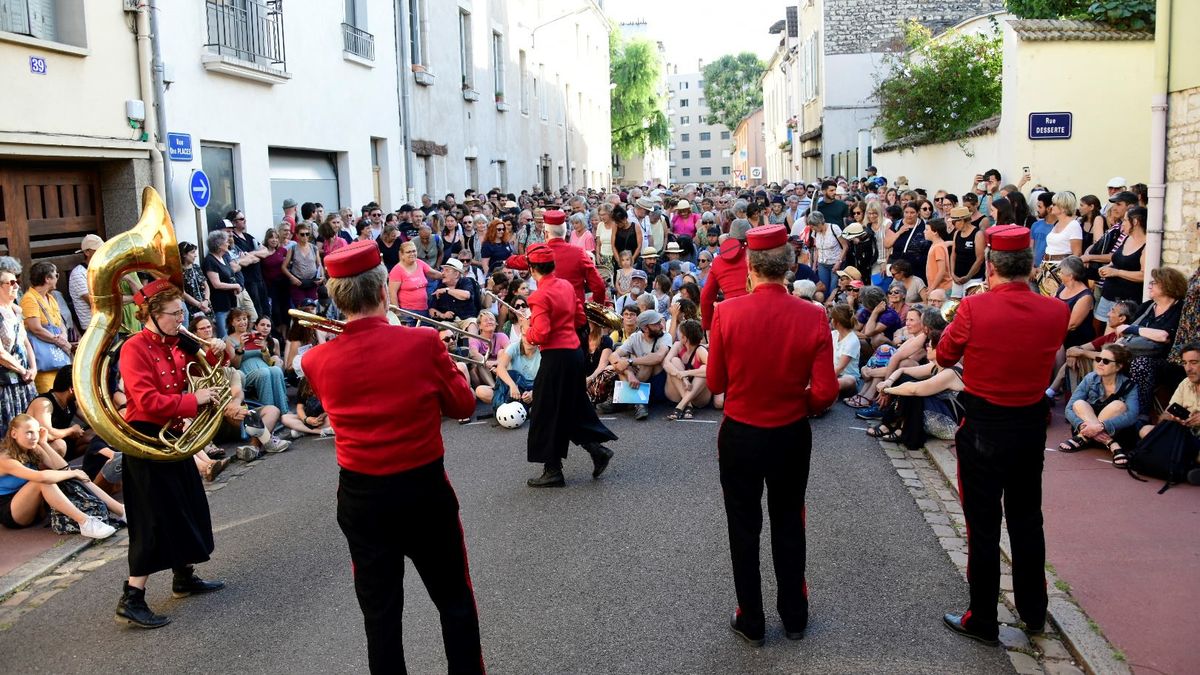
914,102
638,120
731,88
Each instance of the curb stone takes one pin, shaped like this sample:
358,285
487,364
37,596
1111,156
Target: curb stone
1094,653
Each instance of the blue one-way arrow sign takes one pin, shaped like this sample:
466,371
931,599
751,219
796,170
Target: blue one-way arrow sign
200,189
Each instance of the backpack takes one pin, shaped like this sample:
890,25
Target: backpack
1168,452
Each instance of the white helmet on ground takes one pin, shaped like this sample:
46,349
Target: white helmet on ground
511,415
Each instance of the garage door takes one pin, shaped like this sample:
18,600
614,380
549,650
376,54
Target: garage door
45,210
304,176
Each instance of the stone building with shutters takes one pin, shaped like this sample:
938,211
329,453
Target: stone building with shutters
71,160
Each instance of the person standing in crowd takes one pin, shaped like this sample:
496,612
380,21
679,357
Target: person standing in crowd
18,366
966,253
765,437
830,206
251,255
169,523
1001,441
302,266
44,321
561,412
195,287
221,279
77,288
728,274
394,496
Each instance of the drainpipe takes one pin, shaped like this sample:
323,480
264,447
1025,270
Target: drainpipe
150,125
160,98
1156,187
405,100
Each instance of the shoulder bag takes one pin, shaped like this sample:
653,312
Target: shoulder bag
48,355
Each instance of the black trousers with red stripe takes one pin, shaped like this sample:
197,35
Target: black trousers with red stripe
412,514
749,458
1000,455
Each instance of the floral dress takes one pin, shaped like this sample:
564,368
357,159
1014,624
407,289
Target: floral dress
1189,321
15,395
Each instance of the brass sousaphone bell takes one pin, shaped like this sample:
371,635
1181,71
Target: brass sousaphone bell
149,247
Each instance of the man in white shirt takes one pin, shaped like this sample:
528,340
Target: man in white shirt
81,299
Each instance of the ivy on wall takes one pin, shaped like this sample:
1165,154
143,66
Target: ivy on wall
938,89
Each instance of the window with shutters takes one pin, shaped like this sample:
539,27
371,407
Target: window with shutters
51,20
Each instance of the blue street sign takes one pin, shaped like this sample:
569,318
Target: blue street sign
199,189
1046,126
37,65
179,147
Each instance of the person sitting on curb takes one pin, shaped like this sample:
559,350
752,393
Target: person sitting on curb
26,487
640,358
1104,408
685,365
846,348
55,412
516,369
310,417
923,401
1080,357
1180,422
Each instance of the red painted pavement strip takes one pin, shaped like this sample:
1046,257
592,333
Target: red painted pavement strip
18,547
1129,554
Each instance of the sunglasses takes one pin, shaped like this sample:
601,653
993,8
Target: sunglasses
448,340
895,293
1101,359
15,283
239,220
301,234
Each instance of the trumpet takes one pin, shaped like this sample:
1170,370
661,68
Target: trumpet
335,327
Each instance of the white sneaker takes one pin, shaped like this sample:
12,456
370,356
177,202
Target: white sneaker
247,453
327,432
94,528
295,434
276,444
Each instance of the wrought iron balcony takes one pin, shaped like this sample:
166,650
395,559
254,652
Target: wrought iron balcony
358,42
249,30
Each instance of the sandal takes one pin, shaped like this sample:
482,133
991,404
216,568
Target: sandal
878,430
892,436
858,401
675,415
689,412
1119,458
1072,444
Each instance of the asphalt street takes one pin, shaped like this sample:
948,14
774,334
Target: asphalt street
626,574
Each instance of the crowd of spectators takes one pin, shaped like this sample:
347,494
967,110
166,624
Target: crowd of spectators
887,261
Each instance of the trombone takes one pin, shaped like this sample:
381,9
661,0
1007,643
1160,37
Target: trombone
514,310
335,327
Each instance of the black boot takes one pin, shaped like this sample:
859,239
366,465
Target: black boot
187,583
551,477
132,610
600,457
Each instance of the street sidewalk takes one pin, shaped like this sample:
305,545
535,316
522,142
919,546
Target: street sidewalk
1125,552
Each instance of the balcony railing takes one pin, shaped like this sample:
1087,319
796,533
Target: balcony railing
358,42
249,30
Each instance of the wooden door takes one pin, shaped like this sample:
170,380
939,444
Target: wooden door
45,210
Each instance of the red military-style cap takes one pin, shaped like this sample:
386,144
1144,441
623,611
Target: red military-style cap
353,259
517,262
766,237
1008,238
540,253
554,217
143,294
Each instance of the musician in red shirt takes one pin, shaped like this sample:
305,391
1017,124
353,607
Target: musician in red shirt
394,497
765,437
561,412
571,263
1002,438
728,274
169,523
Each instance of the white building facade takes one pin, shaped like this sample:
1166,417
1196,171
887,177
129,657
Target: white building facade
700,152
345,103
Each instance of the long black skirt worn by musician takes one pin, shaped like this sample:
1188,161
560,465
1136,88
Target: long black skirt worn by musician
169,523
561,413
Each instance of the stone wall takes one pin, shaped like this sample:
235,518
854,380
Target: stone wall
1181,239
863,26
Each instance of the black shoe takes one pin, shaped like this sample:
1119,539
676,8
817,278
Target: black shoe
793,634
549,478
600,458
640,412
1193,476
740,632
1039,629
955,623
605,408
132,610
187,583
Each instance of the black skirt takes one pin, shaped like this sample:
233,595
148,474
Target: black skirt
169,522
561,413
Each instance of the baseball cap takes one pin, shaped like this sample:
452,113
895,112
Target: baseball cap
648,318
638,274
1124,196
1117,182
90,243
